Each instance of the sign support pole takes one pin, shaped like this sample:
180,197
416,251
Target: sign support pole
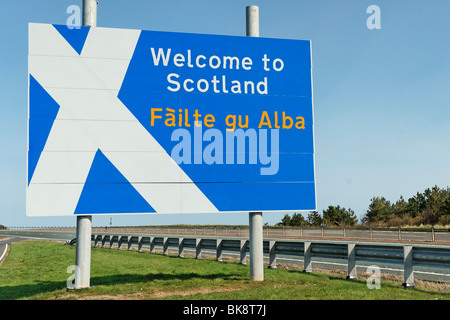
256,246
83,252
84,223
255,218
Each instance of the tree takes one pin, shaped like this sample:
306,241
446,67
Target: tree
400,209
427,207
332,215
314,219
446,207
349,218
297,220
286,221
336,216
416,204
435,202
380,210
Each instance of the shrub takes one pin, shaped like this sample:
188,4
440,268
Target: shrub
444,220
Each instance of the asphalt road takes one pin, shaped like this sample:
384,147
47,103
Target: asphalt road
49,235
5,243
16,236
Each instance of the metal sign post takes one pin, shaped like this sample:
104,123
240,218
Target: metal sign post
83,252
255,218
84,223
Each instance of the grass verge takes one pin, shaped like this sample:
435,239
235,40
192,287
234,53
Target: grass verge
37,270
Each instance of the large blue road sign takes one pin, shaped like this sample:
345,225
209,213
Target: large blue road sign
130,121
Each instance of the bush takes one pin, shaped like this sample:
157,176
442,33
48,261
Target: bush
444,220
418,221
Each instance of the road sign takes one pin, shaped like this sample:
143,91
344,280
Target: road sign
130,121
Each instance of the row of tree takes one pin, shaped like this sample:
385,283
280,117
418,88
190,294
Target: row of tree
332,216
430,207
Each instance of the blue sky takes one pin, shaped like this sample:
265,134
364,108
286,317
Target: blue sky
381,97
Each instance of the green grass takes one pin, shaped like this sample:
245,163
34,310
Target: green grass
37,270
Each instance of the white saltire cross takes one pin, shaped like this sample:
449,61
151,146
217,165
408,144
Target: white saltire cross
91,117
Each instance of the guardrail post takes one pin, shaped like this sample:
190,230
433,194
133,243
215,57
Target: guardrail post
243,250
408,267
399,233
371,233
139,244
152,244
307,257
96,241
198,248
219,250
181,247
272,255
165,246
351,260
111,241
125,241
321,231
119,242
433,236
130,242
103,241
